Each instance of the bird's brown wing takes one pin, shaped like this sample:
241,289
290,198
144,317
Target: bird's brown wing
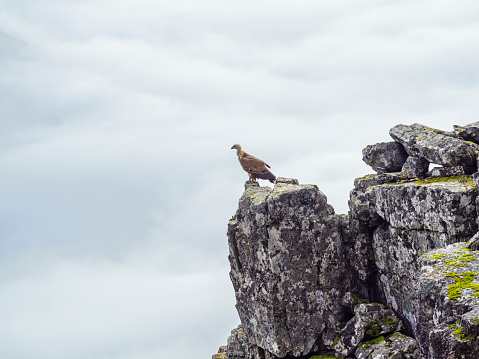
256,167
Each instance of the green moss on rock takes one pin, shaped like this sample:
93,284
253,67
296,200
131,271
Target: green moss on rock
458,332
387,321
373,329
373,342
329,355
467,180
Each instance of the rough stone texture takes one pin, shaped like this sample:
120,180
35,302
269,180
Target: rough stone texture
365,182
385,156
396,346
447,171
435,146
445,314
287,180
447,206
288,268
415,167
396,252
238,345
299,270
220,356
418,218
468,132
363,218
475,178
370,321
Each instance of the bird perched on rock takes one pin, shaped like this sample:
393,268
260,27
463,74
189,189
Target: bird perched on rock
255,167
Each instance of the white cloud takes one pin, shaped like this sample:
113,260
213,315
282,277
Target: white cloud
116,127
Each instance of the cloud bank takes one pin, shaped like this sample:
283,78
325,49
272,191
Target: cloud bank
117,121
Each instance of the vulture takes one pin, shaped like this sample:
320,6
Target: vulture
255,167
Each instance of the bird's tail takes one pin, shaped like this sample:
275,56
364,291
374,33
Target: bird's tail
266,175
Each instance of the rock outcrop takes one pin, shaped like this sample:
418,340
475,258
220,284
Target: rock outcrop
288,268
397,277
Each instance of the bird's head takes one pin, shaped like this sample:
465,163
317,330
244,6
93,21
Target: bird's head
236,147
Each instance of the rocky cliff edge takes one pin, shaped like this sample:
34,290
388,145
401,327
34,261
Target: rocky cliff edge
397,277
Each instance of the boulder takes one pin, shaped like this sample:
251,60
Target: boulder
436,146
468,132
370,321
385,156
395,346
288,268
415,167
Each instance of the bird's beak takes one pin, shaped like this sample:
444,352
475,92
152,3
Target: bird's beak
233,147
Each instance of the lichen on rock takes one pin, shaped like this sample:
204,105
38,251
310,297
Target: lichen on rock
385,156
287,268
396,277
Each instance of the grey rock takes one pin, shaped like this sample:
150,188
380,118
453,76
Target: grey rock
436,146
415,167
473,243
299,270
407,346
443,344
468,132
378,351
397,253
249,184
395,346
370,321
220,356
447,303
287,180
365,182
475,179
447,171
385,156
351,300
470,323
238,346
288,268
447,207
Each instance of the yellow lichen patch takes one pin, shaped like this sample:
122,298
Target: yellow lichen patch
461,256
465,180
461,281
453,263
436,256
458,332
461,179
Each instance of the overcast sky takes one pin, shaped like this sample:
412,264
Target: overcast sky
116,122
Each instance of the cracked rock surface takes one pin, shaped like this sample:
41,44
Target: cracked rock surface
435,146
385,156
396,277
287,268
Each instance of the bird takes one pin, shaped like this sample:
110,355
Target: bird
255,167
